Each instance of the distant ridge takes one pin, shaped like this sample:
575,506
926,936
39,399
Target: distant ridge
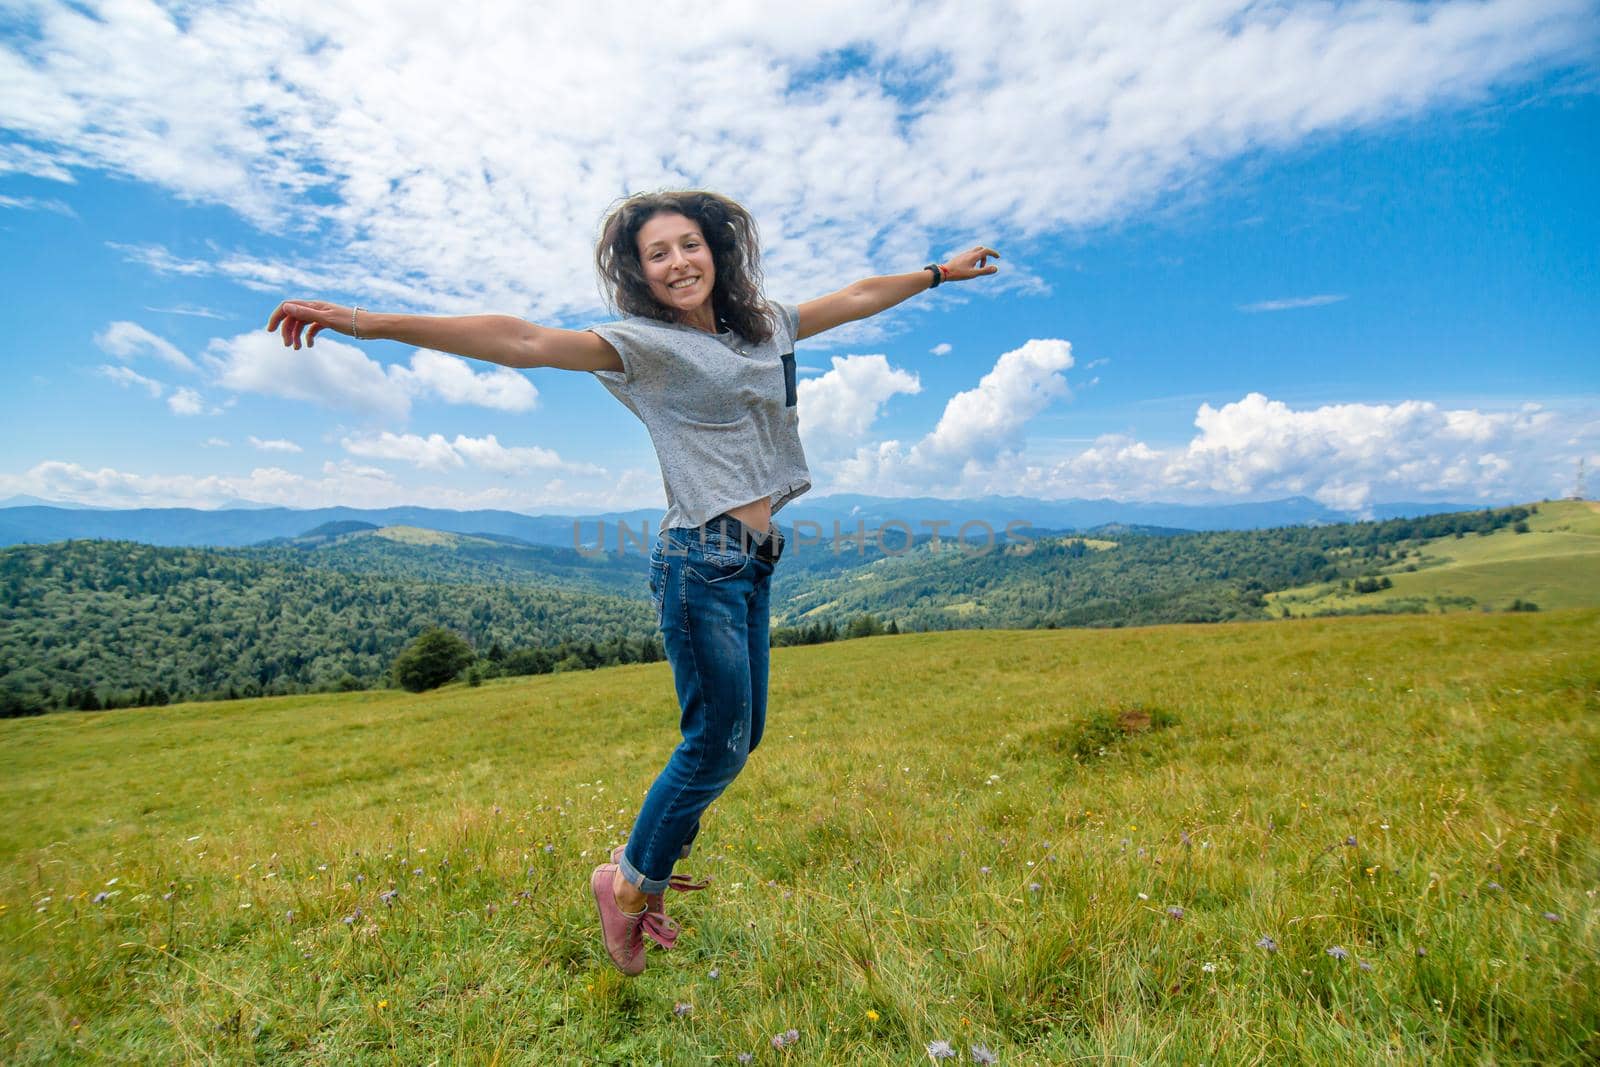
236,527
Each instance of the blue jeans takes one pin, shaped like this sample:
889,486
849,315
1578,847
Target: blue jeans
711,586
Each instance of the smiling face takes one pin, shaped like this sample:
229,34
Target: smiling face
678,266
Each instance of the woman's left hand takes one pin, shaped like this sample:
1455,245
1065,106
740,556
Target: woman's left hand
973,263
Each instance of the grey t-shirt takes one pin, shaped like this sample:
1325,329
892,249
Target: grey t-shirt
720,411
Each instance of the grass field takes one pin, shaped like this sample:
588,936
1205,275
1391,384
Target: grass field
1332,840
1555,564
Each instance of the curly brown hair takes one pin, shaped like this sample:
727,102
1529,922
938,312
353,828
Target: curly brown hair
730,233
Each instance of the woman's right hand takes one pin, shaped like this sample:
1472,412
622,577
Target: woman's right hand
292,317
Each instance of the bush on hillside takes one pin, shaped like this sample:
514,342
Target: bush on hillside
433,659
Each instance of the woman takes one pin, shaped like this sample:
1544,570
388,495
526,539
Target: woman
708,365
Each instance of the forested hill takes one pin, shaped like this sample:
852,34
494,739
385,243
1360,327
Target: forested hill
87,622
1133,579
127,621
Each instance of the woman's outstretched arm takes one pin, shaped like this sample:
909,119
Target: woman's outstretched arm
872,295
503,339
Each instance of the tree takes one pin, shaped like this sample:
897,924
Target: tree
435,657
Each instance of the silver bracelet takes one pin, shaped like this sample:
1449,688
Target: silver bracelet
353,331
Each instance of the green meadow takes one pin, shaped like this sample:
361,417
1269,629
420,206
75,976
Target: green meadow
1350,840
1553,563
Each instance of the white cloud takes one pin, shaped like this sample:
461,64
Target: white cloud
1347,456
185,401
943,348
1293,302
436,452
127,376
451,380
840,406
34,203
340,483
428,181
189,310
274,445
332,374
337,374
979,427
217,442
129,340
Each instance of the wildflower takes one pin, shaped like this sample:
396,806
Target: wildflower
349,920
549,848
985,870
1552,917
388,895
745,1057
1144,896
1421,952
1183,838
382,1004
681,1009
1175,911
940,1050
1034,887
102,897
981,1054
289,915
715,974
490,909
417,871
1209,967
1373,870
1338,953
872,1016
1267,943
1350,842
1365,965
791,1036
360,878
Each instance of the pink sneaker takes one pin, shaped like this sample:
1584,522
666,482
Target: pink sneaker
618,929
656,926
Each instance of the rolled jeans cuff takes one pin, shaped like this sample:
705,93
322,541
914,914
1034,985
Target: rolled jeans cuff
636,878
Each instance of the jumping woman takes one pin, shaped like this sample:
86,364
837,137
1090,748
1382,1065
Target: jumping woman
707,364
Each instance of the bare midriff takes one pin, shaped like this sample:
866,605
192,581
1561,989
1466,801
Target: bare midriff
757,514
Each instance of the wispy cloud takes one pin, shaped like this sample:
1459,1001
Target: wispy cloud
129,340
127,376
1290,303
186,309
275,445
34,203
408,201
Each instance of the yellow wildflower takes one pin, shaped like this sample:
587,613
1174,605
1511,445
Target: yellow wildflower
872,1016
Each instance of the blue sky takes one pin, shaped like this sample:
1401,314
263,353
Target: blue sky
1345,251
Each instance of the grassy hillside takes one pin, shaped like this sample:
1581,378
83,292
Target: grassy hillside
1554,563
1132,845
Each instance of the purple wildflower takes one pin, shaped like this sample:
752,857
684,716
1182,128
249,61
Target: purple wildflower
388,895
1183,838
715,974
681,1009
985,870
1350,842
289,915
778,1041
1034,887
417,871
360,878
1267,943
1421,952
101,897
981,1054
745,1057
1338,953
167,895
1365,965
1175,911
1552,917
1495,886
940,1050
791,1036
549,848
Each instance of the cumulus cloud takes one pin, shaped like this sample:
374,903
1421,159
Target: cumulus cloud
427,178
1293,302
978,426
339,375
185,401
127,377
840,406
129,340
943,348
451,380
436,452
274,445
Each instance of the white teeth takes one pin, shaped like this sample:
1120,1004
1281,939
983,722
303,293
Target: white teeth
684,284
